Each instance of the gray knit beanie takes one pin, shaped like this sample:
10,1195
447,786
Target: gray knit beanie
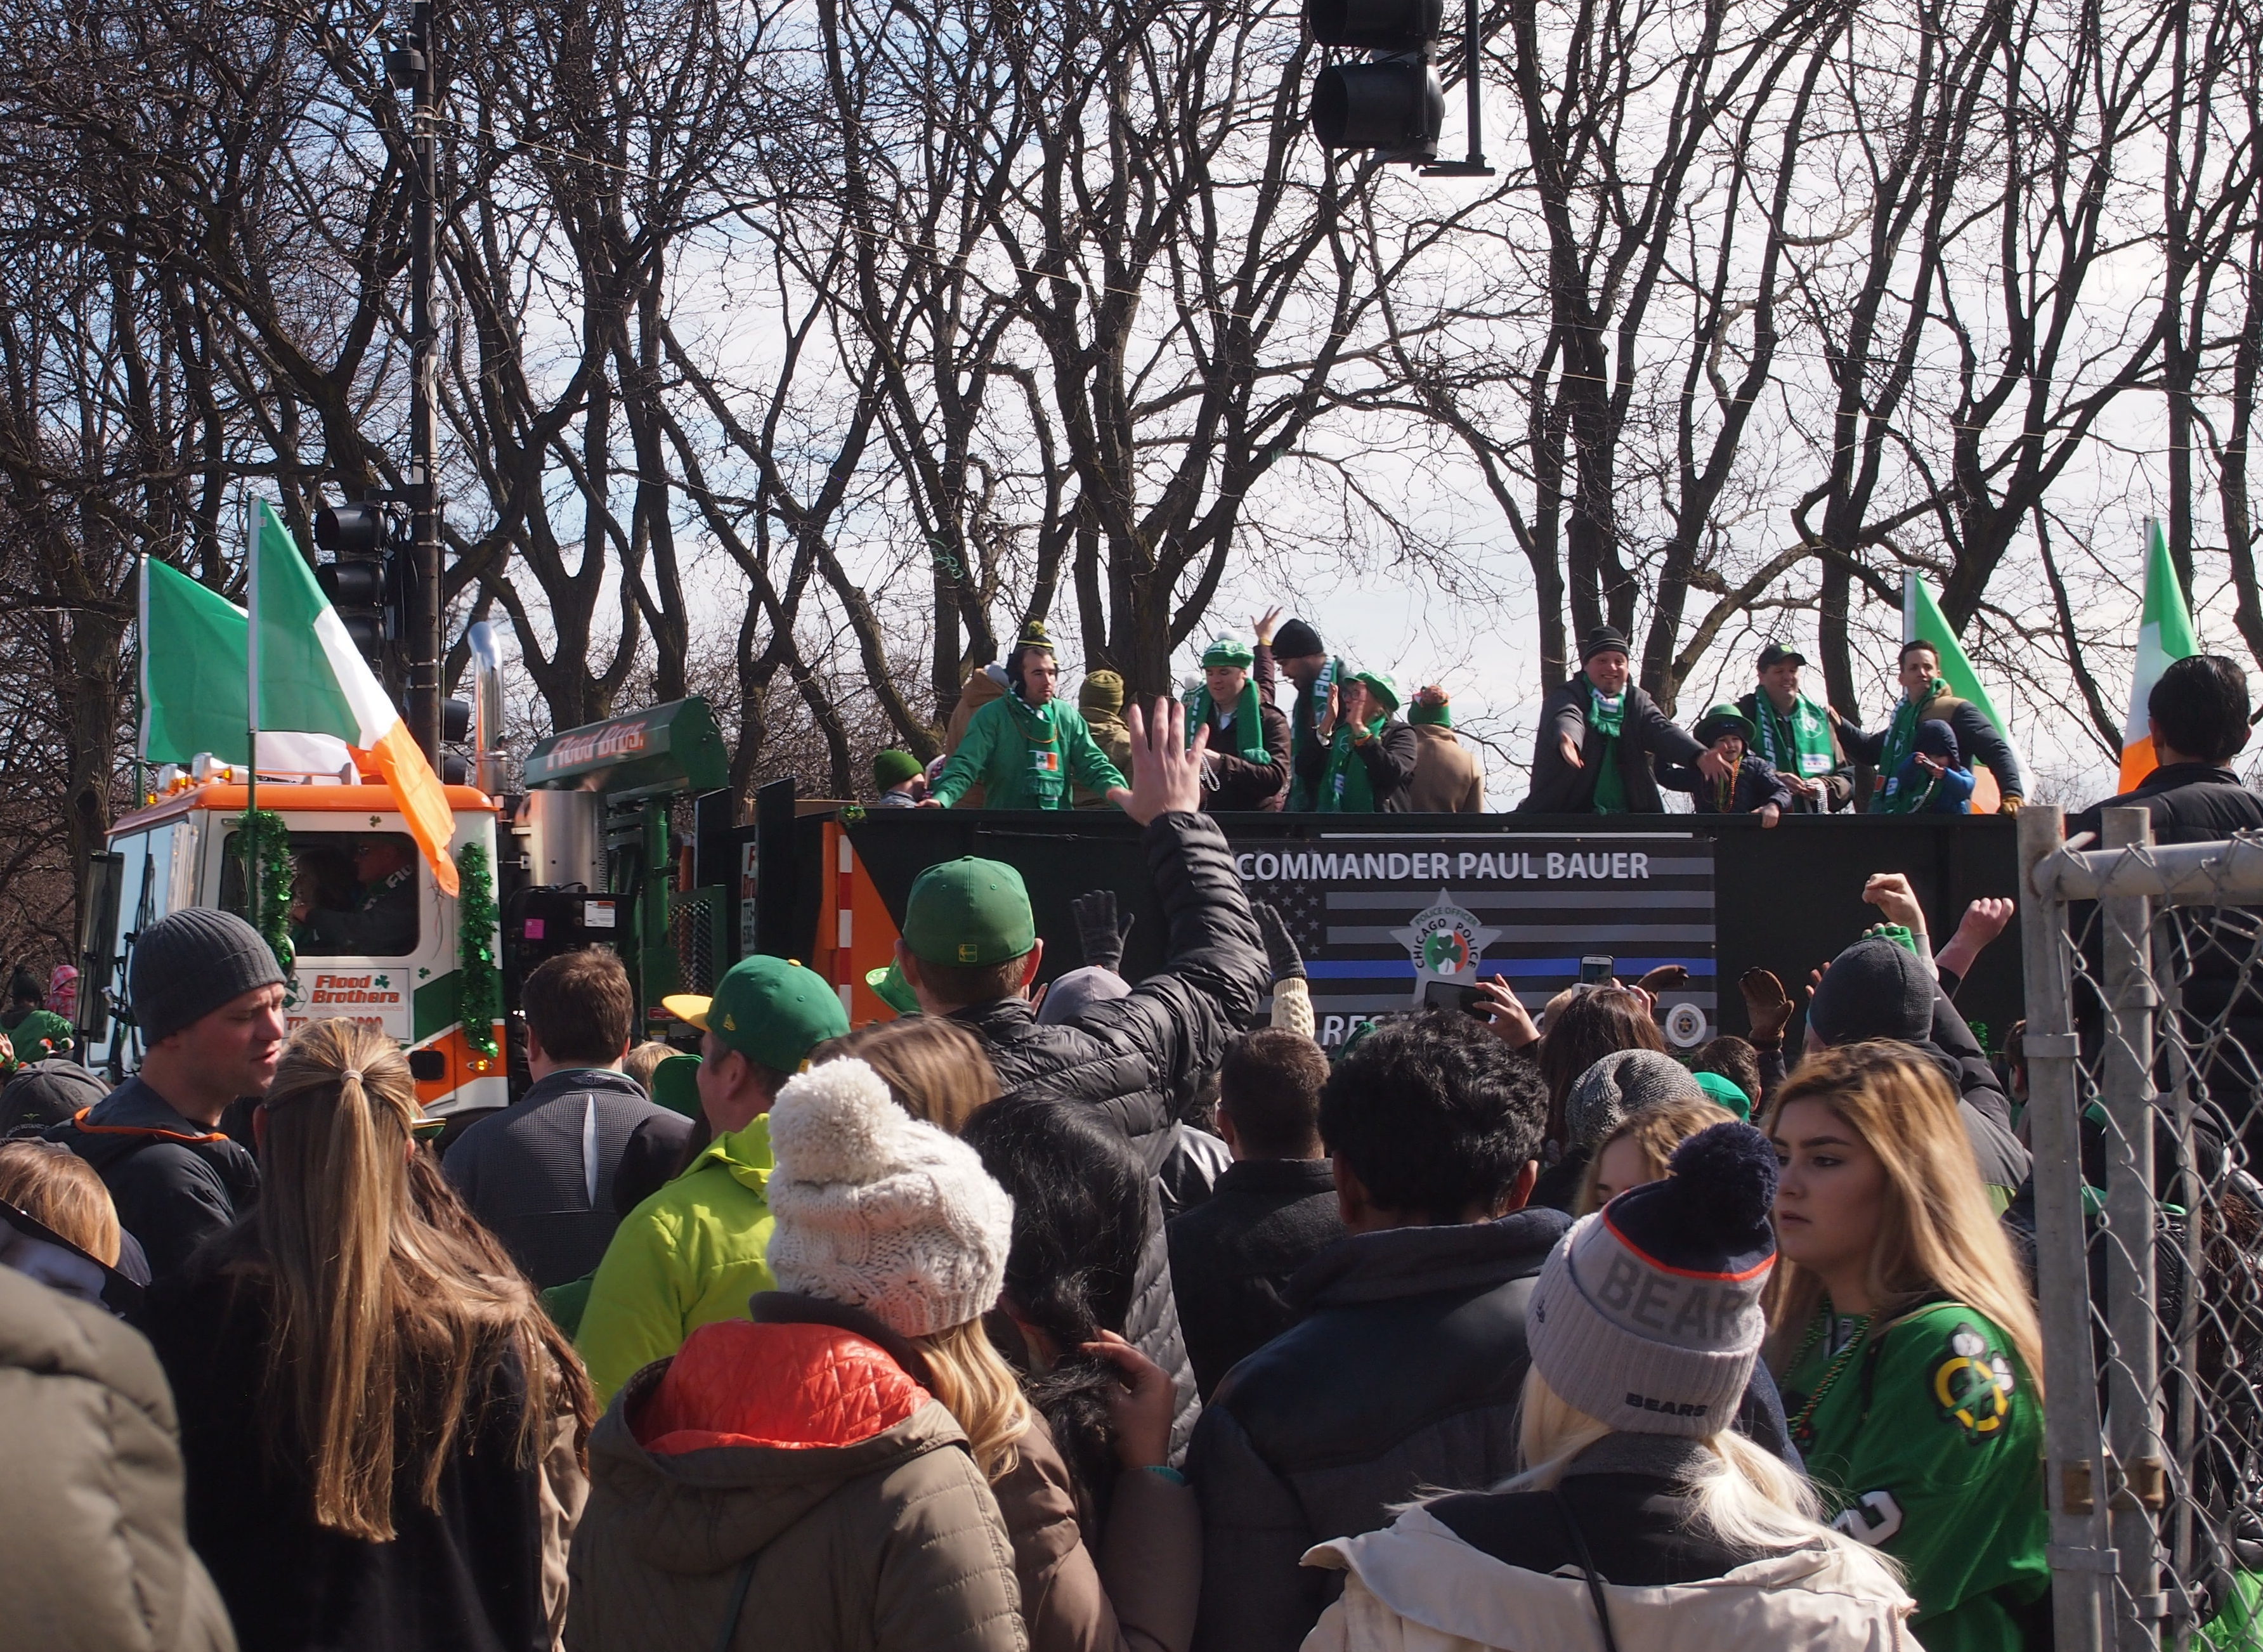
189,963
1647,1316
1623,1082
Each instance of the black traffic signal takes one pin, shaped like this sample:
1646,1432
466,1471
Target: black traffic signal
360,578
1393,103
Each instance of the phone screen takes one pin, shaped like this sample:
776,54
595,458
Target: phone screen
1452,995
1595,970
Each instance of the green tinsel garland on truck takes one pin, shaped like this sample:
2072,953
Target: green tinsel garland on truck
480,1003
269,869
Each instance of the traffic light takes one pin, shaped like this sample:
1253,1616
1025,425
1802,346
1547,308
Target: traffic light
359,579
1393,103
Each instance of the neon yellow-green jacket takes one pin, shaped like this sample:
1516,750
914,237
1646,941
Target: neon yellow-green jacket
687,1256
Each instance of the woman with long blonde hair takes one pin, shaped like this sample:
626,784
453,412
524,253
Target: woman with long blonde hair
1642,1520
1905,1341
380,1427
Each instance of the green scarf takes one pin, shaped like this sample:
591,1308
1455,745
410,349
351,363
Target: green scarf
1047,775
1248,724
1797,743
1901,741
1607,718
1345,789
1304,733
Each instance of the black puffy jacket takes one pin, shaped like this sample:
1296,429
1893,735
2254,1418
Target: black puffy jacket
1137,1058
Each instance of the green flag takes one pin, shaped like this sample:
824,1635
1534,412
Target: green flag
1922,621
299,682
193,669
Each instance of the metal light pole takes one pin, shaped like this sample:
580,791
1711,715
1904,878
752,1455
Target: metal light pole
423,618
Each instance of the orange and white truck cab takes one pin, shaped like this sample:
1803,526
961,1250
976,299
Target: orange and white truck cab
376,939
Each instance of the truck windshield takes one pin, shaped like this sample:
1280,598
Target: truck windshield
353,894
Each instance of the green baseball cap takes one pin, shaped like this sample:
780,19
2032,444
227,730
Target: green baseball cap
676,1085
1727,1092
890,987
969,912
770,1010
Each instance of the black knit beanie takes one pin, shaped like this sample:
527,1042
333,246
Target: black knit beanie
1297,640
1876,988
189,963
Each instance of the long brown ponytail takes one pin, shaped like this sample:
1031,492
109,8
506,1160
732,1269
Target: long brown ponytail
390,1313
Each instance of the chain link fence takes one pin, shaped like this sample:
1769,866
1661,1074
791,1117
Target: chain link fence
2143,1050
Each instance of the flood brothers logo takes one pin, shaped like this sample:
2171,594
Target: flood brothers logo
1446,943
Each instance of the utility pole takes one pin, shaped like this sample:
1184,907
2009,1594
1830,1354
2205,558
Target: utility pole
423,618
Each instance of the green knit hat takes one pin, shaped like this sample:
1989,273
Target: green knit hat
969,912
1727,1092
1229,651
676,1085
1724,719
773,1010
1383,685
1102,692
892,768
1429,707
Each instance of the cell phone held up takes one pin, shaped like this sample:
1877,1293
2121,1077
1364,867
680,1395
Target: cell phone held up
1595,969
1454,995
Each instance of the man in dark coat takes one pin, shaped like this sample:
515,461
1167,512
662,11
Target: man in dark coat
1246,765
970,949
1362,761
1798,738
1296,651
207,998
1926,698
1271,1212
2197,714
1406,1363
541,1173
1598,734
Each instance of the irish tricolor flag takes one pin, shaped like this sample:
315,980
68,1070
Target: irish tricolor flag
2165,633
196,654
312,679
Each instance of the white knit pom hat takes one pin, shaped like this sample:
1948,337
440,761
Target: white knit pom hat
879,1210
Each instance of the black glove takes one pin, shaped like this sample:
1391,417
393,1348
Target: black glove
1280,946
1097,927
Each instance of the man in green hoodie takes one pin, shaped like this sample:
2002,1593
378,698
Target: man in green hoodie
1025,749
696,1250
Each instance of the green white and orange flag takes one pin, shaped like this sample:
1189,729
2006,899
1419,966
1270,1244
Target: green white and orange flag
195,655
2165,634
1922,621
311,677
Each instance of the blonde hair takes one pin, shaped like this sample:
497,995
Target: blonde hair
1746,1497
641,1062
57,1188
1657,1130
1938,1235
392,1306
936,1069
978,1388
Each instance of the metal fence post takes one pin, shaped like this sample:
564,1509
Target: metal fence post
2080,1556
2132,1296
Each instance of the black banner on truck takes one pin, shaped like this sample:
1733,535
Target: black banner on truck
1379,916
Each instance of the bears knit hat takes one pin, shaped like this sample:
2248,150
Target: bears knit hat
1102,692
191,962
773,1010
879,1210
892,767
1875,989
1647,1316
1602,640
1625,1081
969,912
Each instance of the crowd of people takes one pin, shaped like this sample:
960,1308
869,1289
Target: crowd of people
1350,741
1105,1314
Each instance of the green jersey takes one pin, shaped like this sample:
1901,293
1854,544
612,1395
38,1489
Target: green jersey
1024,757
1928,1444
